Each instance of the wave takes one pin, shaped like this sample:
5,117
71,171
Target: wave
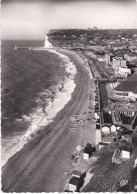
49,103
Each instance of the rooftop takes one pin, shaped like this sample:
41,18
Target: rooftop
123,106
133,77
129,85
126,148
74,181
75,172
116,153
108,139
119,58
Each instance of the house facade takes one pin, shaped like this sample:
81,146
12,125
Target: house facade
118,62
124,71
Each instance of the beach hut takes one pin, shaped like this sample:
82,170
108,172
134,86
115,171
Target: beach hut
113,128
116,157
96,96
96,105
98,121
95,81
126,152
96,108
96,100
88,151
96,115
73,184
105,130
97,126
86,154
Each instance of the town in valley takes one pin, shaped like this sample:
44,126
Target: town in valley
111,56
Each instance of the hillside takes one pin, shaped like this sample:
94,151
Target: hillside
108,177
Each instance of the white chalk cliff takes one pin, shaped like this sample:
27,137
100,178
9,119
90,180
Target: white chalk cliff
47,44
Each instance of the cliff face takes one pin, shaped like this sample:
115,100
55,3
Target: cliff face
108,177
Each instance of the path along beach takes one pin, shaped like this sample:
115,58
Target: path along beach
40,166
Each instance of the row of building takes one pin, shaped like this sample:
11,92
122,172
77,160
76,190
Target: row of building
119,61
120,111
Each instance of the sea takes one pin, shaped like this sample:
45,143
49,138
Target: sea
35,85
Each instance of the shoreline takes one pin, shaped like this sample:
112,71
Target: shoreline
51,140
43,116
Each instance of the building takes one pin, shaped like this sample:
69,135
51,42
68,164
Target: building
116,157
86,155
99,55
127,90
120,113
105,130
113,128
118,62
88,151
96,115
124,114
120,108
109,58
126,152
124,72
97,126
120,67
73,184
76,174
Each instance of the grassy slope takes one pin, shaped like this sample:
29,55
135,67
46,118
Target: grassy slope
107,176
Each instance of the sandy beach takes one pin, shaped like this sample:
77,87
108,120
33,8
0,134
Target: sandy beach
47,156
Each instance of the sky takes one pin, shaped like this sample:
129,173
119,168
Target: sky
32,19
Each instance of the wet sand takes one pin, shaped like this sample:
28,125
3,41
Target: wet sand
41,165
